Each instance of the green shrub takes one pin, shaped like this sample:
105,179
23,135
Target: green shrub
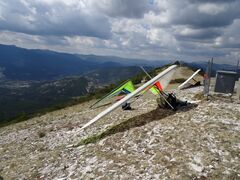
41,133
179,80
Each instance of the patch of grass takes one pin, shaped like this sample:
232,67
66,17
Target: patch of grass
12,165
179,80
69,126
90,139
51,129
41,133
42,148
199,96
137,121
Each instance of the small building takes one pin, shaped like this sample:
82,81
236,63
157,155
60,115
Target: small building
225,81
238,89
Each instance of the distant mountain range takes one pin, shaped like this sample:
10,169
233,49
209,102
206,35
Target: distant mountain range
23,64
124,61
28,64
33,64
215,67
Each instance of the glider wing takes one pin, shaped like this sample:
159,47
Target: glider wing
191,77
162,75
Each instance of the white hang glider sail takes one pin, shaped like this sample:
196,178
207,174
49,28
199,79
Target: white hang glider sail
156,88
166,73
191,77
160,85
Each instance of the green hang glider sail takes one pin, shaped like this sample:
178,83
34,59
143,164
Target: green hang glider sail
154,90
125,88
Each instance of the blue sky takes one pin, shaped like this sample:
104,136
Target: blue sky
190,30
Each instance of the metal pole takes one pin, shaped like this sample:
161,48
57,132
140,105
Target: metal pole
237,66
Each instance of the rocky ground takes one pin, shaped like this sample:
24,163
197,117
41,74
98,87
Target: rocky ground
200,141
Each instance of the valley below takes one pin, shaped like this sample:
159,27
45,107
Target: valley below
20,99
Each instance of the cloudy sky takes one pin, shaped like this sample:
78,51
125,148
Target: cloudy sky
189,30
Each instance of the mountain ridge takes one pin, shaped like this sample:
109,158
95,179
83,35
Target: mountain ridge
34,64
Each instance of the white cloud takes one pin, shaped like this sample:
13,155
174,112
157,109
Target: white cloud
54,18
230,38
211,8
151,29
162,38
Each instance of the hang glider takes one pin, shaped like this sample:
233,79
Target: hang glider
161,76
183,85
125,88
157,88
